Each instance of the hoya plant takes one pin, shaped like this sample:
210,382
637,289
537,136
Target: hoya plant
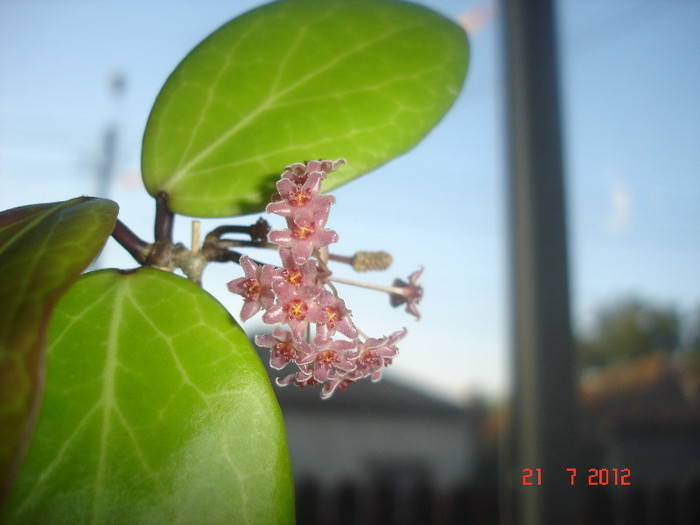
133,396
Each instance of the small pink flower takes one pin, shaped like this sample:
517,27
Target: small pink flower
328,356
283,347
375,354
296,276
324,166
303,238
295,307
334,316
338,381
299,172
304,377
302,203
411,293
255,287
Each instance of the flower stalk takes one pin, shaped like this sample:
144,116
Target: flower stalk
370,286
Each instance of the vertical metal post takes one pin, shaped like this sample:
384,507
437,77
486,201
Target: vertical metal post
544,415
107,161
106,168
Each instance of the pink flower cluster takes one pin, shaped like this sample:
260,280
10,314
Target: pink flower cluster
295,295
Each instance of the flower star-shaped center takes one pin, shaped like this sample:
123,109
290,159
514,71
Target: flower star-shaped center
332,316
326,358
284,350
252,289
299,197
368,357
293,276
296,309
304,232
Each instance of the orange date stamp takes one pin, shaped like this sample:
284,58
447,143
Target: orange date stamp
594,476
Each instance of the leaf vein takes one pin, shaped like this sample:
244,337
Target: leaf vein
272,98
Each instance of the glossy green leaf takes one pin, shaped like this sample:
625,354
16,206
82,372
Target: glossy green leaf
298,80
43,249
157,410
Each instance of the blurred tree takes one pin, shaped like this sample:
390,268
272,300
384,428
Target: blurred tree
629,329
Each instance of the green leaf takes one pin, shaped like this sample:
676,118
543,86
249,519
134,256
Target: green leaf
43,249
157,410
299,80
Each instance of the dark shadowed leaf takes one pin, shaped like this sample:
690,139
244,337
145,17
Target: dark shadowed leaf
157,410
43,249
293,81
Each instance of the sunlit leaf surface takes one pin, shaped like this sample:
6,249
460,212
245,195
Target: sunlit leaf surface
157,410
43,249
293,81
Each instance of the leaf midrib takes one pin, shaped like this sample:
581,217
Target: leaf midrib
107,399
270,102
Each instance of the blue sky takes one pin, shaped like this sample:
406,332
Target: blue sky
631,115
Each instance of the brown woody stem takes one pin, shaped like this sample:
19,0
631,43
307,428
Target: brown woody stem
164,219
137,247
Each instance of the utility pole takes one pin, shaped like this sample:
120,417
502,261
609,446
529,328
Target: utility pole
110,140
544,416
105,168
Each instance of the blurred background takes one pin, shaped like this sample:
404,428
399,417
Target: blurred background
78,78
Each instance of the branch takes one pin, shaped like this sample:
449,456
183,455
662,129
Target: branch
164,219
137,247
257,232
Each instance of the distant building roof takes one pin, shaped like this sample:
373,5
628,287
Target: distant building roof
383,397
